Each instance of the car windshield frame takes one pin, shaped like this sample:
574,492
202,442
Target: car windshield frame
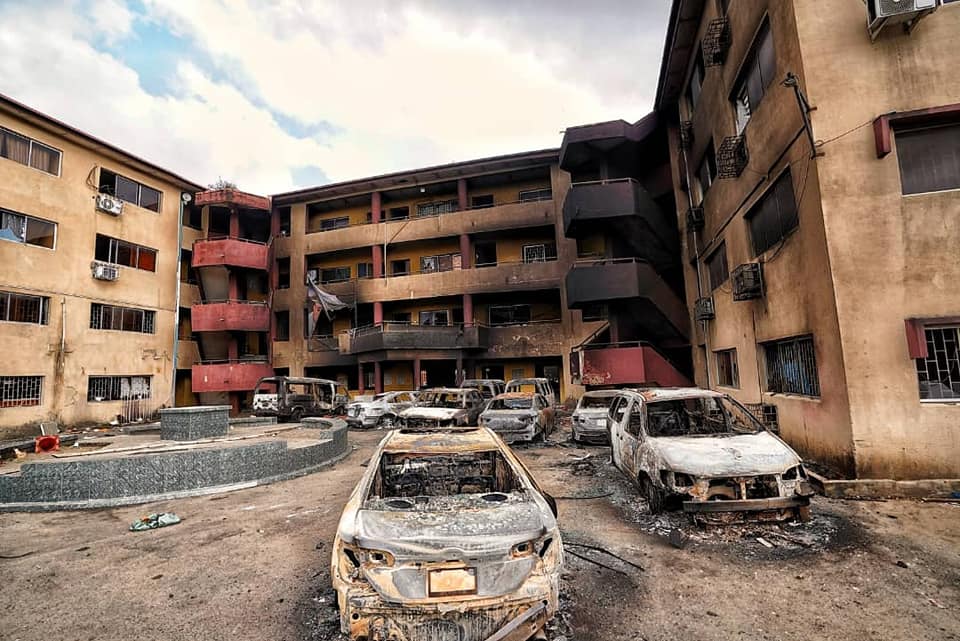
674,416
508,404
433,399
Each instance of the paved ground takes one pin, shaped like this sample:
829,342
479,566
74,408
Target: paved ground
253,565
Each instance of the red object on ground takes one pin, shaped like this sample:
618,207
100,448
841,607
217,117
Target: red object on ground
46,444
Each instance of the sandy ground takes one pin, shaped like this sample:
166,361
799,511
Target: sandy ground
253,565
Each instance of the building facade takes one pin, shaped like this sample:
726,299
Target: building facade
89,244
816,167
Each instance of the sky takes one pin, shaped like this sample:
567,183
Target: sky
280,94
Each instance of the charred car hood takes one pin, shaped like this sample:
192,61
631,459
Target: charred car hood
432,413
719,456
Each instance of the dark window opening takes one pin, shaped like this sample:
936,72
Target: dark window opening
400,267
283,213
727,373
774,216
440,263
219,223
283,273
21,228
282,324
20,391
792,366
595,312
717,266
335,274
117,388
929,159
398,213
534,195
334,223
129,190
486,254
29,152
437,208
439,317
192,217
364,270
23,308
120,252
696,81
509,314
480,202
401,317
707,172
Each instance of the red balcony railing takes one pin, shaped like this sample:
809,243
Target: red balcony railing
233,252
220,316
228,376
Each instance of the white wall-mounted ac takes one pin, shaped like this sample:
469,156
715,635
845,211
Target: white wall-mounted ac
109,204
886,13
104,271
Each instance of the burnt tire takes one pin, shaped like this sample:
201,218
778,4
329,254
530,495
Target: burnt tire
656,497
296,416
387,422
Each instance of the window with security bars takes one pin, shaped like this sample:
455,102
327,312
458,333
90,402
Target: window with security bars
792,366
939,373
20,391
774,216
118,388
533,195
437,208
124,319
929,158
539,253
23,308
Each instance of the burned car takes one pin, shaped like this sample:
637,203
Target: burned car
291,398
446,536
443,407
488,387
703,450
536,385
589,420
380,410
519,416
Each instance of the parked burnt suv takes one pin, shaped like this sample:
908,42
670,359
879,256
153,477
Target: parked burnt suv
443,407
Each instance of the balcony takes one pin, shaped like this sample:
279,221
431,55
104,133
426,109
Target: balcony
240,316
232,252
227,197
406,336
325,351
582,143
636,285
625,364
530,340
229,376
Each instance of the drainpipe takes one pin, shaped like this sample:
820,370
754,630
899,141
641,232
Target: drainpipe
185,198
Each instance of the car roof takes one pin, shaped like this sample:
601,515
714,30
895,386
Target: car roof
508,395
482,380
528,381
653,394
297,379
602,393
448,390
476,439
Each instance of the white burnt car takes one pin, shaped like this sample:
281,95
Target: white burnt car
380,410
446,536
519,416
443,407
589,420
704,450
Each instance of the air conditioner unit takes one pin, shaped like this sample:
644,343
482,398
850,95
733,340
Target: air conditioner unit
884,13
716,42
109,204
766,414
703,309
732,156
695,219
104,271
748,281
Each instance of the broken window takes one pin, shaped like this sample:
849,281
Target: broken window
20,391
437,208
727,373
440,263
533,195
755,76
129,190
481,202
707,172
29,152
334,274
334,223
283,273
403,475
124,319
929,158
282,324
696,81
509,314
939,373
439,317
486,253
364,270
23,308
21,228
400,267
118,388
717,266
398,213
120,252
283,213
539,253
774,216
792,366
698,416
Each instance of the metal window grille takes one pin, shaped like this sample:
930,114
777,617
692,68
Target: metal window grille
532,195
939,373
716,42
125,319
792,366
437,208
534,253
118,388
22,308
20,391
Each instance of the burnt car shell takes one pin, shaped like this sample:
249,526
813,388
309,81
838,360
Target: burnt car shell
446,537
514,424
589,420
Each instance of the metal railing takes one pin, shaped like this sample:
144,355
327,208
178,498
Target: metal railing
604,181
594,262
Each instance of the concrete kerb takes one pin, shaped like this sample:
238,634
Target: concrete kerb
112,482
883,488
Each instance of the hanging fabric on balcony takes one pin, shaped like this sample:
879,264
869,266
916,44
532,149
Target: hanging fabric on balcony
327,301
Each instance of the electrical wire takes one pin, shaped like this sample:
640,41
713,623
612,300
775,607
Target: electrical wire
821,143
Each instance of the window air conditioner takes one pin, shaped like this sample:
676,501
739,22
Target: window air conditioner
703,309
109,204
104,271
884,13
748,281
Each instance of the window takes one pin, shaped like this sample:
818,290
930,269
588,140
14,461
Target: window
283,273
364,270
284,214
486,254
717,266
755,76
29,152
480,202
707,172
399,267
696,81
509,314
282,323
539,253
517,372
334,223
792,366
533,195
129,190
595,312
124,319
437,208
20,228
20,391
401,317
435,317
192,217
22,308
929,159
727,374
939,373
118,388
120,252
398,213
334,274
441,263
774,215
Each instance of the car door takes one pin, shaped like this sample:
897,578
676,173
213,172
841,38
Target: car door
618,416
475,404
631,438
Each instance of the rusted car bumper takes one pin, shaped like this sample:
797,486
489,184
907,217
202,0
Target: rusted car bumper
594,436
770,510
514,617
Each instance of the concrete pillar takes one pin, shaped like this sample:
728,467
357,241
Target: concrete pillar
376,204
468,310
377,378
416,373
614,329
234,223
459,375
377,257
233,349
361,384
462,201
233,285
378,313
235,403
466,251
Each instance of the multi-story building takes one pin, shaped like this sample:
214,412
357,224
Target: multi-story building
88,285
816,163
449,272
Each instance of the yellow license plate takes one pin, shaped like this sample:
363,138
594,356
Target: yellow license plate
452,581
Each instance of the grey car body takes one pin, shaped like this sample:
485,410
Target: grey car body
541,386
518,416
380,410
590,419
488,387
443,407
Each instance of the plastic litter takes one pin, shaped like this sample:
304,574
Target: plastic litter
153,521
